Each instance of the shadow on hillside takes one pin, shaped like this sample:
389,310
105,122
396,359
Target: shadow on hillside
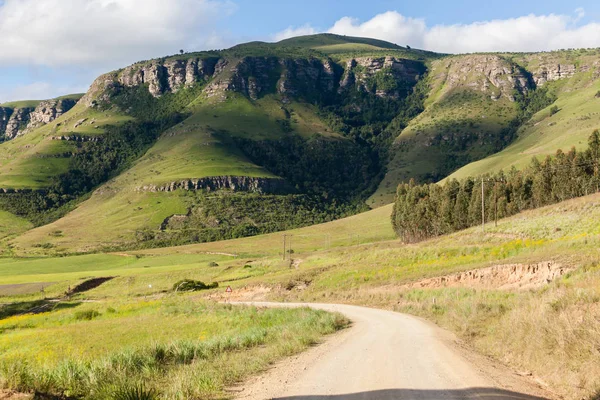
414,394
33,307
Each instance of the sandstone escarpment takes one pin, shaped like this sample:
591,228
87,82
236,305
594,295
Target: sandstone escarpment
167,76
382,76
19,121
489,74
254,77
235,183
48,111
550,71
5,114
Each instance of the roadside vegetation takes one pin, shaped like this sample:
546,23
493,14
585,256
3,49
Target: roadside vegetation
172,348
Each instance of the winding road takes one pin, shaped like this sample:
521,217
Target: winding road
387,355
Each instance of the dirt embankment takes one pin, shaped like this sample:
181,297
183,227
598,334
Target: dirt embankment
509,276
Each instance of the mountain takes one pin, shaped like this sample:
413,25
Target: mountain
269,136
487,112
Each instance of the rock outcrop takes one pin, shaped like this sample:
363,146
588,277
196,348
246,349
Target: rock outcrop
5,114
168,76
382,76
254,77
48,111
489,74
19,121
235,183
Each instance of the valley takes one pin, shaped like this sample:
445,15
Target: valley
325,170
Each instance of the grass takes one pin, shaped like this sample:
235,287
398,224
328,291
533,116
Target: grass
356,260
328,39
545,133
174,347
11,225
31,161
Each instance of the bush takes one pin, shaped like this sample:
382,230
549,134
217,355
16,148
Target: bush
190,285
86,315
554,110
213,264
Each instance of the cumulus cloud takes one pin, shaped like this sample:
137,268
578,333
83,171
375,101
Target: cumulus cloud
526,33
293,32
40,91
390,26
88,32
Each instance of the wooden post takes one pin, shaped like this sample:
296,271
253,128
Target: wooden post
482,207
284,246
496,203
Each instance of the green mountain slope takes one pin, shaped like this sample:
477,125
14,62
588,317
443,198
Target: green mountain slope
576,89
268,136
280,134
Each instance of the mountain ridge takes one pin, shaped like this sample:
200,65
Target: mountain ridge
332,122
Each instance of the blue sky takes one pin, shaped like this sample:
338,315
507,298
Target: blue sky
54,47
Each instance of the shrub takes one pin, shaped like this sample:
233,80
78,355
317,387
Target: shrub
213,264
190,285
554,110
87,315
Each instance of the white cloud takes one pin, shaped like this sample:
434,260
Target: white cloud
527,33
293,32
40,91
115,32
390,26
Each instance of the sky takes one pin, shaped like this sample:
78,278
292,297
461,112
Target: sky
55,47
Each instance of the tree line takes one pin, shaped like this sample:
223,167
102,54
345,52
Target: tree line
422,211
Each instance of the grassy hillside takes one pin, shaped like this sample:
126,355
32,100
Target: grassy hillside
338,118
547,132
193,149
31,161
464,119
11,224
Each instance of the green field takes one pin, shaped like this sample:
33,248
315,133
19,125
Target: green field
357,260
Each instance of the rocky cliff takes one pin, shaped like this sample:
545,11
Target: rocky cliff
256,76
489,74
235,183
554,66
19,121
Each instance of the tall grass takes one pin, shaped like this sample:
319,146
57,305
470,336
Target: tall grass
176,369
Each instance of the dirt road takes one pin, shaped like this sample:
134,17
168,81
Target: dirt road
387,355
